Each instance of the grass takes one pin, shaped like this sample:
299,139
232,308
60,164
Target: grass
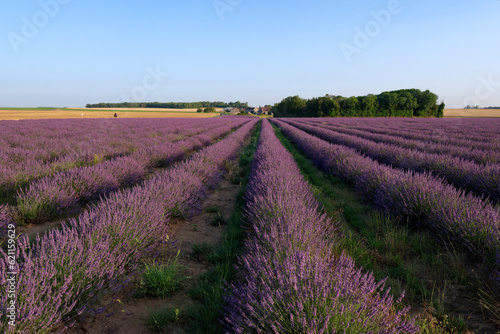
201,251
212,209
210,289
411,259
159,320
160,280
218,220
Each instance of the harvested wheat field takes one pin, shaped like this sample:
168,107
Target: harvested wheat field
18,114
472,113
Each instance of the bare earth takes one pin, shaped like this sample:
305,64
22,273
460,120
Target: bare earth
85,113
125,314
472,113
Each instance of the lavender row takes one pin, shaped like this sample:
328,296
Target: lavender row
423,199
54,147
483,180
49,139
69,141
293,281
466,149
67,191
61,273
446,131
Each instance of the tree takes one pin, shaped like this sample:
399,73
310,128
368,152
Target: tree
440,112
199,110
290,106
388,103
400,103
209,109
368,105
426,100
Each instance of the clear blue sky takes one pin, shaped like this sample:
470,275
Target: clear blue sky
259,51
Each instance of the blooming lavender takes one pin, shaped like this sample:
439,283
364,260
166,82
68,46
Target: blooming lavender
67,191
421,198
476,133
293,281
483,180
482,150
63,271
33,149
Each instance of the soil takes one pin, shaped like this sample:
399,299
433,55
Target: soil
32,230
125,313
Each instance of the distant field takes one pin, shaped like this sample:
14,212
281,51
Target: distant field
47,113
192,110
472,113
39,109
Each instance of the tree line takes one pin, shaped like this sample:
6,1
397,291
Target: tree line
173,105
477,107
398,103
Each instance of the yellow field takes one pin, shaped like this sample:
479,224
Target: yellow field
18,114
472,113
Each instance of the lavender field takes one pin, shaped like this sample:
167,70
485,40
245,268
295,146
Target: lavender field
294,257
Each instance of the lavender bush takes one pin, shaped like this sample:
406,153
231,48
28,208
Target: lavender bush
33,149
483,180
422,198
481,133
478,151
63,271
293,281
67,191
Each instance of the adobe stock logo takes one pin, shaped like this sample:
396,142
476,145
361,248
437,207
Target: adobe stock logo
31,27
484,90
363,37
150,82
221,7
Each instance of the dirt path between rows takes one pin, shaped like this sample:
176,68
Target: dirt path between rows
124,313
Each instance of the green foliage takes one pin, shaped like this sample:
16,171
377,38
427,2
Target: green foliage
410,258
218,220
201,251
290,106
209,109
159,320
210,288
212,209
399,103
160,280
173,105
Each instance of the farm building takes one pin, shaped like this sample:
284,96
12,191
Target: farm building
265,110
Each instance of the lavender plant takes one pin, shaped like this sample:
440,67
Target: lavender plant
293,281
34,149
483,180
67,191
421,198
61,273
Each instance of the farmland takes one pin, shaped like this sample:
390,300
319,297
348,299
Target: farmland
64,113
280,225
472,113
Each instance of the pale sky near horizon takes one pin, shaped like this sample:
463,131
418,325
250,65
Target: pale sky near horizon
67,53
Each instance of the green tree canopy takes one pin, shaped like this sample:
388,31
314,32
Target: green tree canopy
399,103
